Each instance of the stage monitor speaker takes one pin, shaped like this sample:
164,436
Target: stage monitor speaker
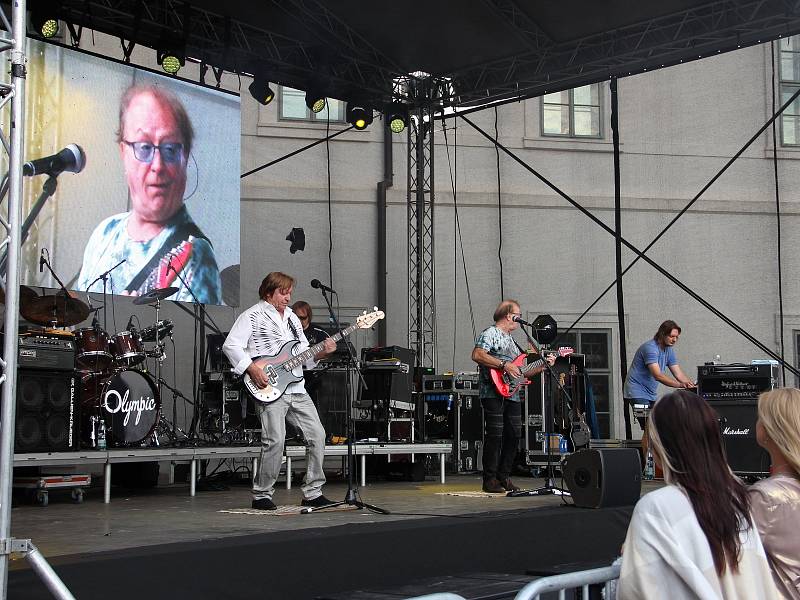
47,413
602,477
737,423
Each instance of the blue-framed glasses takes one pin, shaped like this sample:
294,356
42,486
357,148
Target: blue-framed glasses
171,152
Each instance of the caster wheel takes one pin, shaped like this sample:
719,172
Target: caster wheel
77,496
42,498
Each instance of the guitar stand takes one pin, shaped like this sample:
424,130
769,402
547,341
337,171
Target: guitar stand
549,488
351,496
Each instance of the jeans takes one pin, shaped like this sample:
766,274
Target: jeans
300,411
502,430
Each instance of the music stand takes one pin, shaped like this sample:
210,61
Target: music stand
545,330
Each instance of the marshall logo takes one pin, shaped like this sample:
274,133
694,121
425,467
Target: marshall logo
736,431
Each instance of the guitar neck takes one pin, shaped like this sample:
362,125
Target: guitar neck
534,365
311,352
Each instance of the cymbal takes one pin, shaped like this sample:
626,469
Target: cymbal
26,294
153,295
59,310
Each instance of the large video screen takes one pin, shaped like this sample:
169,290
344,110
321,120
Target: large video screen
156,204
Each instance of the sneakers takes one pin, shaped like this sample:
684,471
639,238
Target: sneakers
264,504
316,502
493,486
509,486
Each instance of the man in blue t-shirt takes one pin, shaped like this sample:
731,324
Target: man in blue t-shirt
649,364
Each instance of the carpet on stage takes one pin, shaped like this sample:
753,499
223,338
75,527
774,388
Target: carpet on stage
309,563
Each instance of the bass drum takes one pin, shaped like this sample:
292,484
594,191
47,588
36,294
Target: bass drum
127,402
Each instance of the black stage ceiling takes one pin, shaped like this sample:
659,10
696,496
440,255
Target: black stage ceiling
488,48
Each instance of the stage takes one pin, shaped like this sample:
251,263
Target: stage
166,543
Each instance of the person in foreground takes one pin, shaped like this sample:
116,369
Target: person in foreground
262,330
693,538
775,501
157,238
496,349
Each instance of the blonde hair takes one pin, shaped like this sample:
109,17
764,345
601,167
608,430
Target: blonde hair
779,413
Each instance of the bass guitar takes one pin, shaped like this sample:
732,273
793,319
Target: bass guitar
580,434
507,385
285,367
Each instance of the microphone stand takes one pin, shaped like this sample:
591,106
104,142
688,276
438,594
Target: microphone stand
549,487
201,349
104,276
48,189
351,496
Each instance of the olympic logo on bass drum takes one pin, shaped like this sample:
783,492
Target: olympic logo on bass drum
123,404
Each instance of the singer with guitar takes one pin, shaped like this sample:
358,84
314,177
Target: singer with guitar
264,329
495,349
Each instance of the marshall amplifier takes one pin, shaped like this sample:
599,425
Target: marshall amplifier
735,382
737,424
46,353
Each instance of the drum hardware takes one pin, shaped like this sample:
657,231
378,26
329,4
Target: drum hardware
157,331
92,349
155,295
58,310
126,346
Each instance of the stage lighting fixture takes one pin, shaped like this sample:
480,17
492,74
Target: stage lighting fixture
397,117
315,101
261,91
45,23
358,115
545,329
171,60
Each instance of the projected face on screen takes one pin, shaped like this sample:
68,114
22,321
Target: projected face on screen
157,204
154,151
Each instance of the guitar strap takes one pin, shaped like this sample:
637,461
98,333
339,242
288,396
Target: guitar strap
182,232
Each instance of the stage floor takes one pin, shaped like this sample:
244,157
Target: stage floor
86,540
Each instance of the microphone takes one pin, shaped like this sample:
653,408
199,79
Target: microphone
522,321
71,158
317,284
42,260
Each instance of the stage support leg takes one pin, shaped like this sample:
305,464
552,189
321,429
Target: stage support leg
107,483
254,470
288,472
193,477
363,467
441,468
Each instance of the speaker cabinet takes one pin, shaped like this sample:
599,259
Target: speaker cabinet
602,477
737,424
47,412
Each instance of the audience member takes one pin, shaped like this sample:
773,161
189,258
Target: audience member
775,501
693,538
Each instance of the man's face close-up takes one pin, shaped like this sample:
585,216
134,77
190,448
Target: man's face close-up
157,176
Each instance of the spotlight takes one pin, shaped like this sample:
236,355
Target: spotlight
45,22
545,329
315,101
358,115
171,60
261,91
397,117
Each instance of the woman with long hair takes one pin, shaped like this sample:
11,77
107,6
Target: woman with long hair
694,537
775,501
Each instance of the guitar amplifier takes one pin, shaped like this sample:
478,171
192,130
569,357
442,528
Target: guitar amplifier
737,424
735,382
51,353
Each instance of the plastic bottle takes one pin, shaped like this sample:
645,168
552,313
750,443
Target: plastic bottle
649,468
101,435
562,445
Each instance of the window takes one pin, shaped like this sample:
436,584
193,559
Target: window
790,81
293,107
596,345
573,113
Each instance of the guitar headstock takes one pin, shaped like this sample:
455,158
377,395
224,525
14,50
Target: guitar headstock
367,320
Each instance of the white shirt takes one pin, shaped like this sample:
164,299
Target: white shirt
667,556
261,331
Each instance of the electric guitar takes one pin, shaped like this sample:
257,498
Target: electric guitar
507,385
580,434
285,367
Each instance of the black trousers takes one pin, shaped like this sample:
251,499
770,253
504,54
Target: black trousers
502,430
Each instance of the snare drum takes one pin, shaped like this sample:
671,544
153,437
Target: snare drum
127,349
92,351
128,403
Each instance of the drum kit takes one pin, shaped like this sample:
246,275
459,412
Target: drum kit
120,398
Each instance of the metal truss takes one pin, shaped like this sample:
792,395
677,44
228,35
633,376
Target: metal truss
421,272
688,35
241,47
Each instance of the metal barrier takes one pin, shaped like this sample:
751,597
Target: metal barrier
578,579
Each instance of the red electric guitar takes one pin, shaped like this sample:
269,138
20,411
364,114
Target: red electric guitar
507,386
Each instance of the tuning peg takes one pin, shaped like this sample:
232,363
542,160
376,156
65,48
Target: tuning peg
375,308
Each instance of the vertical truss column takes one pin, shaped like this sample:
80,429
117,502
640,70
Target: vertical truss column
421,275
